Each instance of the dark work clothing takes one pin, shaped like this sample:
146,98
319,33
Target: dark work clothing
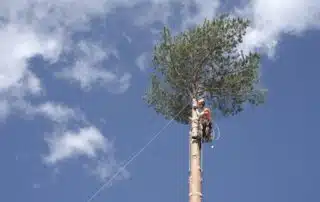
206,123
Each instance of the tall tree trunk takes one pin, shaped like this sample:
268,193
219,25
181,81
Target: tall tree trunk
195,178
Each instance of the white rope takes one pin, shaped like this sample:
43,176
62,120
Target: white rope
218,135
133,157
137,154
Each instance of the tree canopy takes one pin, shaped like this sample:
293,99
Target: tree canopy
204,61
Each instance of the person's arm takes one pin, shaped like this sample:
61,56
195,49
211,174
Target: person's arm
199,113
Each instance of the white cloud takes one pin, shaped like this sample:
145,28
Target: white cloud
88,69
109,167
142,60
272,19
31,27
86,74
86,142
122,84
48,14
158,11
206,9
162,10
58,112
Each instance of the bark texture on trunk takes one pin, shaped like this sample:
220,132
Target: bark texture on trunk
195,178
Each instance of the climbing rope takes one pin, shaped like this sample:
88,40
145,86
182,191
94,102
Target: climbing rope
217,134
130,160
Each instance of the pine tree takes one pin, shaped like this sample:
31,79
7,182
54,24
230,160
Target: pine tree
204,61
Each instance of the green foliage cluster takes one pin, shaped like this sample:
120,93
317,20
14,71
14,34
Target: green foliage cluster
204,62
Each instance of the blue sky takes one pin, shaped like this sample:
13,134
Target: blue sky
72,76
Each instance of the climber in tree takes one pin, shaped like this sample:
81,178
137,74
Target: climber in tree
206,121
204,115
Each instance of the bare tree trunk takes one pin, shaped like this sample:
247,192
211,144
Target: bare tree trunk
195,178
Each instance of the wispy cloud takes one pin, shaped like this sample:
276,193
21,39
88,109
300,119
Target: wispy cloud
108,168
58,112
142,61
89,69
86,142
55,112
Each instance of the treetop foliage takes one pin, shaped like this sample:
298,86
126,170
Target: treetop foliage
204,61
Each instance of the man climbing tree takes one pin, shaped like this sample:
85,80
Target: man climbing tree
203,62
204,115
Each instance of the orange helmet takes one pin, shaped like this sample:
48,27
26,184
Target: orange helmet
207,111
